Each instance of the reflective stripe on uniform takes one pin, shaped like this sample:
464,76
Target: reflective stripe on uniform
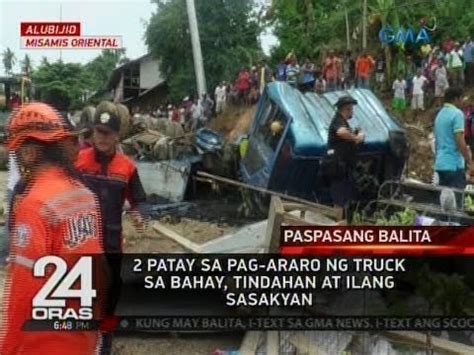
99,345
23,261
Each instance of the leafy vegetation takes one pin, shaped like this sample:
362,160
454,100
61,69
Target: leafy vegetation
9,60
229,33
310,27
469,204
407,217
26,65
60,84
98,70
64,84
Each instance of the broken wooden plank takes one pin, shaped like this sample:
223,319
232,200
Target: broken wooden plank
439,344
250,237
160,228
296,221
250,343
263,190
325,210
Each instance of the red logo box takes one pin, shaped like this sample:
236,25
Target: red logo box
50,29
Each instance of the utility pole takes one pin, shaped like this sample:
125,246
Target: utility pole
364,26
196,44
348,31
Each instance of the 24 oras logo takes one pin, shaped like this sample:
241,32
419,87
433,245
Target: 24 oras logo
50,302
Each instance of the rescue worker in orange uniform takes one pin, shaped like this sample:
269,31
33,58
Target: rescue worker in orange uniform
113,177
55,215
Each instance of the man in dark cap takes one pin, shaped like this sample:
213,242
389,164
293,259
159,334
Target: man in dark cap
113,177
342,147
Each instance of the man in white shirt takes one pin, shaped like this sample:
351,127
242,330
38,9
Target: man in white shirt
441,82
399,86
220,94
456,67
196,113
417,102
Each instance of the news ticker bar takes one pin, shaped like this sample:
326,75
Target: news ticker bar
353,240
266,323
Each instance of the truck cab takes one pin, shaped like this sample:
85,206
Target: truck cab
289,162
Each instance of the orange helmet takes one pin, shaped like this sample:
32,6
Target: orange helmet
36,121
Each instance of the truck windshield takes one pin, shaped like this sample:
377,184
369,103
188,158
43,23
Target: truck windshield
271,127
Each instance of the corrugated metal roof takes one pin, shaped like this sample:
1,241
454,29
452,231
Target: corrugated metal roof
311,115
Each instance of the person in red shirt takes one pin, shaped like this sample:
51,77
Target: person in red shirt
332,71
364,67
448,45
15,101
176,116
113,177
243,85
55,215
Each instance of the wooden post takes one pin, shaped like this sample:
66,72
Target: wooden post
275,218
339,213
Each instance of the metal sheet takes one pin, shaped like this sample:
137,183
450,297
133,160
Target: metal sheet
167,179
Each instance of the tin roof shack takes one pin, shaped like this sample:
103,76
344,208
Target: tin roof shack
290,162
138,83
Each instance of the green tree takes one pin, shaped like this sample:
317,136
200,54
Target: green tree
310,27
9,60
293,22
229,39
97,71
27,65
61,84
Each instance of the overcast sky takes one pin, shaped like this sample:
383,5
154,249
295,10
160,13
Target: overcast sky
98,17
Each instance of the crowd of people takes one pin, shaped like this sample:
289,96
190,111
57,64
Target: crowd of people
338,70
192,113
431,71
